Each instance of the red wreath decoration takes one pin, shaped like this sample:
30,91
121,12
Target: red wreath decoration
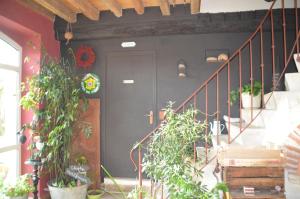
85,56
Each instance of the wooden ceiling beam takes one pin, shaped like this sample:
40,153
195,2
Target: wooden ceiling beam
195,6
58,8
37,8
165,7
86,8
114,6
139,6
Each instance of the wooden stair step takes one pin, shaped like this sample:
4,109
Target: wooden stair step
265,183
259,194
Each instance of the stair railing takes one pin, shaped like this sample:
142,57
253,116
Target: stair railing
213,82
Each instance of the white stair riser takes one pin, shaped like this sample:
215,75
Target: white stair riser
293,98
292,81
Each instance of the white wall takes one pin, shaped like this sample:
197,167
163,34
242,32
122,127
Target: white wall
214,6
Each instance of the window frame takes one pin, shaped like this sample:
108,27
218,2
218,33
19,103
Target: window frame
17,69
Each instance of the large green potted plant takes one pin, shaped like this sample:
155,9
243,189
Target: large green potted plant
19,190
251,95
54,97
168,155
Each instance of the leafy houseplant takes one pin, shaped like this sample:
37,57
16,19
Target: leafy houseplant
20,190
247,93
167,152
54,97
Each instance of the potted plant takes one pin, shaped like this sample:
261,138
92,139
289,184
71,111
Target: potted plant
251,98
54,96
168,152
20,190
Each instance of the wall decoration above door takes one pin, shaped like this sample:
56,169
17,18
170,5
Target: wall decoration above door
90,83
85,56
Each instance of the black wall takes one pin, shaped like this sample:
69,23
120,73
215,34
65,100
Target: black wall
187,44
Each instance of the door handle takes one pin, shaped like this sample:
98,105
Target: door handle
151,117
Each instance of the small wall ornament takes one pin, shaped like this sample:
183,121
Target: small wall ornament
85,57
90,83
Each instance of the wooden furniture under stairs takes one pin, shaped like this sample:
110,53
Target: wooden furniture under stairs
258,168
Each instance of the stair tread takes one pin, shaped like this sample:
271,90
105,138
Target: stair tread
259,194
239,156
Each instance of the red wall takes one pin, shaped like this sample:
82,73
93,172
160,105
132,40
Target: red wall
30,30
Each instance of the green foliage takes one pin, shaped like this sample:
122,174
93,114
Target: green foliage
54,97
21,188
235,94
165,160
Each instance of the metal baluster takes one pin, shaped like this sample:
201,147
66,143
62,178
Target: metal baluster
218,109
284,31
140,174
251,77
262,65
195,118
297,27
273,50
228,103
206,120
240,89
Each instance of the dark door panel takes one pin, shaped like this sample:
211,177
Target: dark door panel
130,95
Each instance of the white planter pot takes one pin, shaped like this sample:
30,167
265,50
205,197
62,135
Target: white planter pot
19,197
79,192
246,101
297,63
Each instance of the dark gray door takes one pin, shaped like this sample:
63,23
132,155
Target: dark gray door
130,96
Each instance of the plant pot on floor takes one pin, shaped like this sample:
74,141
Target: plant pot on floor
78,192
246,101
95,194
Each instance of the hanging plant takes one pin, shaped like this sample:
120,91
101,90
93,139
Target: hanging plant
85,57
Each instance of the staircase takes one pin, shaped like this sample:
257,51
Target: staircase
267,127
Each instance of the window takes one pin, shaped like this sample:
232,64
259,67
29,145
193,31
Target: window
10,73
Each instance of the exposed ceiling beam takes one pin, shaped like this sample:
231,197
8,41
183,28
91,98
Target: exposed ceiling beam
71,6
114,6
86,8
165,7
195,6
58,8
37,8
139,6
